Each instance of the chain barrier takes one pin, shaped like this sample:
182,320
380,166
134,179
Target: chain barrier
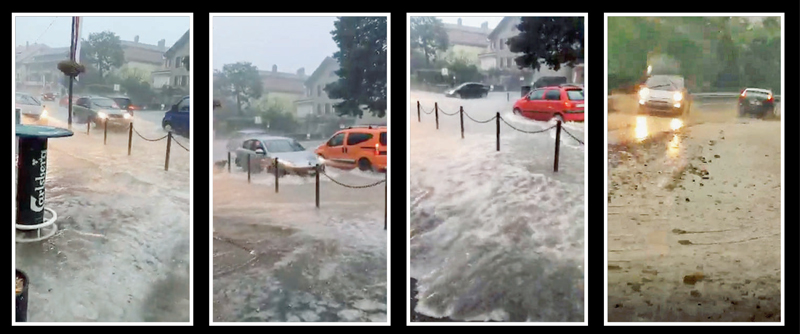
524,131
352,187
140,136
443,112
477,121
179,144
573,137
426,112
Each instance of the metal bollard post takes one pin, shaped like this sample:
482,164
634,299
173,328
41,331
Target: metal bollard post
419,117
436,107
461,113
317,181
130,137
497,119
508,96
277,173
229,162
558,142
88,126
248,168
105,131
169,144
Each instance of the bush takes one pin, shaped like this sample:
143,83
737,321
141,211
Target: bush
71,68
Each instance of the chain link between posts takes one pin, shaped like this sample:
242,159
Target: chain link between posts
349,186
477,121
143,137
426,112
179,144
524,131
444,112
573,137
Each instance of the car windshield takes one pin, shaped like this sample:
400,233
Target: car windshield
575,94
660,82
283,146
122,102
27,99
756,93
105,103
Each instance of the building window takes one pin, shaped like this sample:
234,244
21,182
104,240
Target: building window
167,63
319,90
177,62
319,109
509,61
174,81
327,108
501,44
184,81
500,62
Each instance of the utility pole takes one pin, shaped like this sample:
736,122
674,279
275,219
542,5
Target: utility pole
72,58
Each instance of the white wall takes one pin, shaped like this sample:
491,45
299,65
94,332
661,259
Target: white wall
304,110
161,80
488,63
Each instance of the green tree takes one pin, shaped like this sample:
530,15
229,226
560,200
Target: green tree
428,36
550,40
464,71
245,82
104,51
362,60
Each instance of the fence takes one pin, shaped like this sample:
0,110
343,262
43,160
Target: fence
318,169
497,118
131,130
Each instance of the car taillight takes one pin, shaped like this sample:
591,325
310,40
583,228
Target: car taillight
567,105
377,149
770,97
744,93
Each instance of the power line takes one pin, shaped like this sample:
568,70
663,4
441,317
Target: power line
45,30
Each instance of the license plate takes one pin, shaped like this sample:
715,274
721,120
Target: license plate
758,103
578,106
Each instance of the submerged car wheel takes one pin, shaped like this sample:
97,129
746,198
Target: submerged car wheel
517,111
558,117
166,126
457,95
364,165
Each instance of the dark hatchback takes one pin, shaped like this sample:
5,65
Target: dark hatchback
469,90
756,102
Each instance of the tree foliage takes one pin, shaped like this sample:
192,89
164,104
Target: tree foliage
427,34
362,66
242,81
552,41
463,71
104,51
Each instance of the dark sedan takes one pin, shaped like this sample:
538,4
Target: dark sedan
469,90
756,102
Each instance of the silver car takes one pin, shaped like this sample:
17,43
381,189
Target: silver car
293,158
31,109
238,137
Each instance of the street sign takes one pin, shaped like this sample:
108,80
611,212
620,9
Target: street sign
444,71
258,120
116,87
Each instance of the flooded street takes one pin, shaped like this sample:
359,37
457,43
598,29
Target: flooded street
122,250
277,258
694,216
495,236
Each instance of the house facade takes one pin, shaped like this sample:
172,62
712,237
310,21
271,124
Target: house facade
172,72
497,55
39,71
284,86
465,42
315,101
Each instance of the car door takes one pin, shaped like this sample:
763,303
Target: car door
532,107
181,122
335,147
356,145
552,98
80,109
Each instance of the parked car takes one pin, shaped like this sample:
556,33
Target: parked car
99,110
124,103
176,119
469,90
756,102
563,102
64,101
31,109
356,146
49,96
262,149
238,137
665,94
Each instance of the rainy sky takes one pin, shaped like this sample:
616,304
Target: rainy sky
288,42
54,31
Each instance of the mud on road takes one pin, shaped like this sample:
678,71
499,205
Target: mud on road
694,221
278,258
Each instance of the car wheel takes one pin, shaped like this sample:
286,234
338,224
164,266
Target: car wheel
364,165
485,94
167,127
457,95
517,111
558,117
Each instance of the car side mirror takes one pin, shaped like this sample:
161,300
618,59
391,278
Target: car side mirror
174,108
260,151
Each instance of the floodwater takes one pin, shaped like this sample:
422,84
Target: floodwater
278,258
122,250
495,235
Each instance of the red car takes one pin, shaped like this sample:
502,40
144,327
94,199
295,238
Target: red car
563,102
65,99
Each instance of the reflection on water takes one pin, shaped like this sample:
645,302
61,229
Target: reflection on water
675,124
641,128
674,146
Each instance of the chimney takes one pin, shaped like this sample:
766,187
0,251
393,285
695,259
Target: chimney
136,39
485,25
459,21
301,72
274,68
161,43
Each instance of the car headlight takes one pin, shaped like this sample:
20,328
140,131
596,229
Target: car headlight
643,93
44,113
677,97
102,115
126,116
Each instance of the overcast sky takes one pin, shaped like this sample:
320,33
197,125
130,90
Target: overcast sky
55,31
472,21
289,42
